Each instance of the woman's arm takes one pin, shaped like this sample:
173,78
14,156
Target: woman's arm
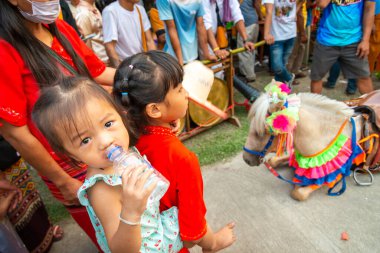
37,156
106,78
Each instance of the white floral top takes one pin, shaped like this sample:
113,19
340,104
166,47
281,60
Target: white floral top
159,231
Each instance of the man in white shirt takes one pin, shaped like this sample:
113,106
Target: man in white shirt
126,30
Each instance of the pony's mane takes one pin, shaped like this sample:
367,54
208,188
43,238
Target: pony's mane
258,112
326,104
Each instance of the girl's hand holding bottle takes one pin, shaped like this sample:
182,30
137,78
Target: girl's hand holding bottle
134,194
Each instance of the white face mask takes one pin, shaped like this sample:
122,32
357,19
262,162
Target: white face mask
43,12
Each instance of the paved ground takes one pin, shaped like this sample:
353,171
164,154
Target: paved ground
267,219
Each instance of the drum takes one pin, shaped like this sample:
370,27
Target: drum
218,96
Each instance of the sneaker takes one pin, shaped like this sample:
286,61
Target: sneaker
291,81
300,75
326,85
350,92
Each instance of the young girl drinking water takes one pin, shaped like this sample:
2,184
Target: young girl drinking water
149,87
80,120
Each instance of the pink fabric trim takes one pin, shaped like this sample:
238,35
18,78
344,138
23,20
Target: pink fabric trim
325,169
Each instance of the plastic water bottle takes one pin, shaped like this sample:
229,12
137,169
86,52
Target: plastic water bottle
121,159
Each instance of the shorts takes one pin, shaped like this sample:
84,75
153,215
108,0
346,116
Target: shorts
324,57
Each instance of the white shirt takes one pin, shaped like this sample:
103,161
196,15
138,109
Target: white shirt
89,20
124,27
210,18
283,19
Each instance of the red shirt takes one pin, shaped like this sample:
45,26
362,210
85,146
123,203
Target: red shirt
19,90
169,156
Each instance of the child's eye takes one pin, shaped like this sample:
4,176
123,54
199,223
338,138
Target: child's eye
108,124
85,141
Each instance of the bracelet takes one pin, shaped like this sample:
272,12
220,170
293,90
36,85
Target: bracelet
128,222
244,41
216,49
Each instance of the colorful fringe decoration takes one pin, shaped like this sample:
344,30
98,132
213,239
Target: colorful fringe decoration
327,167
277,91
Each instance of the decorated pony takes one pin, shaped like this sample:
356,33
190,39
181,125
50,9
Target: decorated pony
316,136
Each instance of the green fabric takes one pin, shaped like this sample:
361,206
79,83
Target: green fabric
327,155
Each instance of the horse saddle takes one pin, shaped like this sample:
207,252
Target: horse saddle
369,106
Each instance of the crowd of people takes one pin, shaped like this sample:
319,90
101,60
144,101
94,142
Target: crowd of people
57,60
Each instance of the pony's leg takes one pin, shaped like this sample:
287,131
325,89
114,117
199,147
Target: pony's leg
302,193
275,161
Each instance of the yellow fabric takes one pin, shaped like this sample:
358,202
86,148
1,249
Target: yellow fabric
155,21
263,10
304,13
60,16
143,38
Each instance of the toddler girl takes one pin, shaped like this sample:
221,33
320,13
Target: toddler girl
81,120
149,87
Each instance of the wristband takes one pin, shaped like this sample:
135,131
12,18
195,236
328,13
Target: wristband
244,41
216,49
128,222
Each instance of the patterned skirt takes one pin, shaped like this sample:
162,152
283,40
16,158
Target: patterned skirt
30,218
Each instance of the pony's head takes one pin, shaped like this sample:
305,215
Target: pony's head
260,132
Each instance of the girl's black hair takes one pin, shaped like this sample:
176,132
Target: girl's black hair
143,79
42,65
59,107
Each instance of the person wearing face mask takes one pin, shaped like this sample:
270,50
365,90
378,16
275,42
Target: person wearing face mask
36,50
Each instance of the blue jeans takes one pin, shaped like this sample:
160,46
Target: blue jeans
333,77
279,54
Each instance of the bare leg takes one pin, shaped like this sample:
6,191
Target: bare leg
365,85
316,86
302,193
225,237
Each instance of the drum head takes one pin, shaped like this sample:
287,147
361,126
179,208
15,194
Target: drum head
181,125
218,96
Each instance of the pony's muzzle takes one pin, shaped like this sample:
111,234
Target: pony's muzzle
251,160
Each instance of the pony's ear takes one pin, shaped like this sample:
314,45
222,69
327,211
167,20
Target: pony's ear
275,107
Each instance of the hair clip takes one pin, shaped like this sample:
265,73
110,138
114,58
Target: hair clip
124,94
130,66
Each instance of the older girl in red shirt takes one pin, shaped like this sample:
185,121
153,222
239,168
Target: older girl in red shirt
149,86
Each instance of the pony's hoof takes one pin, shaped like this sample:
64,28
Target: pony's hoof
301,193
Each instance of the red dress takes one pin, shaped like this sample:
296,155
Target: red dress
181,167
19,91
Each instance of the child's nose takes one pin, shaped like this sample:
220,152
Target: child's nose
105,141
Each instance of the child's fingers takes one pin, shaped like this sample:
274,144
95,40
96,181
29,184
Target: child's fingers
142,180
6,185
150,188
15,200
19,195
131,177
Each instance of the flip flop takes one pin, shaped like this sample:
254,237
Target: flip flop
57,233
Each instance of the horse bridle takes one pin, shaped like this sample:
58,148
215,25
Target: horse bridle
262,153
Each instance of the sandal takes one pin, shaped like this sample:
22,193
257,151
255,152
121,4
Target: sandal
57,233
